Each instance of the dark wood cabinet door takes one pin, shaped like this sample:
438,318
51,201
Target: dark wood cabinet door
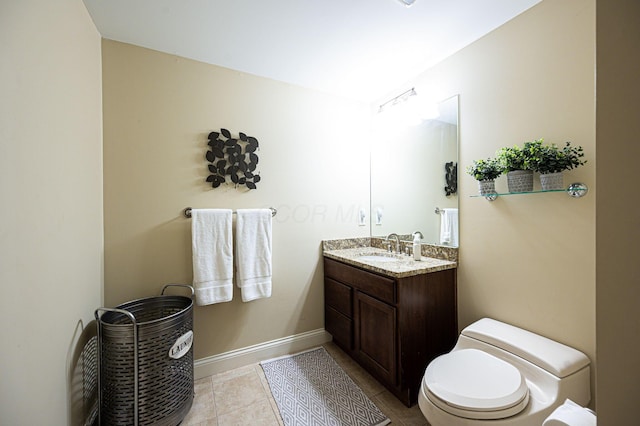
375,336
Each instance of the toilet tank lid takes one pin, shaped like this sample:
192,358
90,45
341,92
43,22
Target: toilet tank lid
558,359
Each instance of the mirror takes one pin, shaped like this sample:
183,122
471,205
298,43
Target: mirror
409,179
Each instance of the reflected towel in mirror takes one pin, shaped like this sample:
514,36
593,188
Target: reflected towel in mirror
449,227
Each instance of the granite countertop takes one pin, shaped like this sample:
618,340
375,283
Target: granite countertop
404,266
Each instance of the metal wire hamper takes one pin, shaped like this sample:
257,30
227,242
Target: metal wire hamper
145,356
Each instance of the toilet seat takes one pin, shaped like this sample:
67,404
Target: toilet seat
474,384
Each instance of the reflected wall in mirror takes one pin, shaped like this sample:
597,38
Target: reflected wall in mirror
409,178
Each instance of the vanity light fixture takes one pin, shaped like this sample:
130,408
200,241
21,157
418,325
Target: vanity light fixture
406,110
402,97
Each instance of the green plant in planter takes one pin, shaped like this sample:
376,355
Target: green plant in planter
553,159
531,152
519,158
488,169
511,158
517,163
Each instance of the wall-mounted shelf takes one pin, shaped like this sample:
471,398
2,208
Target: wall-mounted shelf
575,190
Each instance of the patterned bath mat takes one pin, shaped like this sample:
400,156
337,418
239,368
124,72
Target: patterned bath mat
311,389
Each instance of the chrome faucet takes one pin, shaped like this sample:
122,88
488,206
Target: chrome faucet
397,242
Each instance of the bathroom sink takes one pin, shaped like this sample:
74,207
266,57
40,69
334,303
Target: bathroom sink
377,258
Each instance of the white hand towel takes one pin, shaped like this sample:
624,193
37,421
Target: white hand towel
449,227
212,245
253,253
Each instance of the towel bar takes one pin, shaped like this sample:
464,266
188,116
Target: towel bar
187,212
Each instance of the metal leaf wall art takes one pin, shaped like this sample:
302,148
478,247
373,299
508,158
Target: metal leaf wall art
233,158
451,178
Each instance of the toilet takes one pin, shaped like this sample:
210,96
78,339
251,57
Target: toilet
498,374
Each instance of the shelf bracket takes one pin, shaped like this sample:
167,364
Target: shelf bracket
577,190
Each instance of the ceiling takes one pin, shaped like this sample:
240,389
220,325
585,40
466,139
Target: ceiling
358,49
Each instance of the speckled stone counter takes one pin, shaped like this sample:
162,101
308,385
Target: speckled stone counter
428,250
351,251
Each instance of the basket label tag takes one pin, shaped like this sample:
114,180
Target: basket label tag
182,345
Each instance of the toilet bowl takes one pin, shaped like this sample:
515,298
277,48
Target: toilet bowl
498,374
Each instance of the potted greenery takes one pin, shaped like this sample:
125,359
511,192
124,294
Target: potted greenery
550,161
517,163
485,172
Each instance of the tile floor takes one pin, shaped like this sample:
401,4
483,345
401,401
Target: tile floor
241,397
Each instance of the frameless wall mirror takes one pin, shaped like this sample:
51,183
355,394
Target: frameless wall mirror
414,177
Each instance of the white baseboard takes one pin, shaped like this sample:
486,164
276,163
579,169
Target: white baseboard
252,354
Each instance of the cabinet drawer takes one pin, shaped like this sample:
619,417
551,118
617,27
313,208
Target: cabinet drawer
338,296
340,327
374,285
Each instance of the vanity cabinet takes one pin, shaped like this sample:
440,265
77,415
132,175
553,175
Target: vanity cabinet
393,327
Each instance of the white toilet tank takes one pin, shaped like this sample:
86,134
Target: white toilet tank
554,357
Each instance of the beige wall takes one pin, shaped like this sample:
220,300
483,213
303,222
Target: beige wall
618,219
158,111
527,260
51,198
531,78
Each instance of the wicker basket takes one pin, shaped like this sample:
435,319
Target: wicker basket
551,181
146,361
520,181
